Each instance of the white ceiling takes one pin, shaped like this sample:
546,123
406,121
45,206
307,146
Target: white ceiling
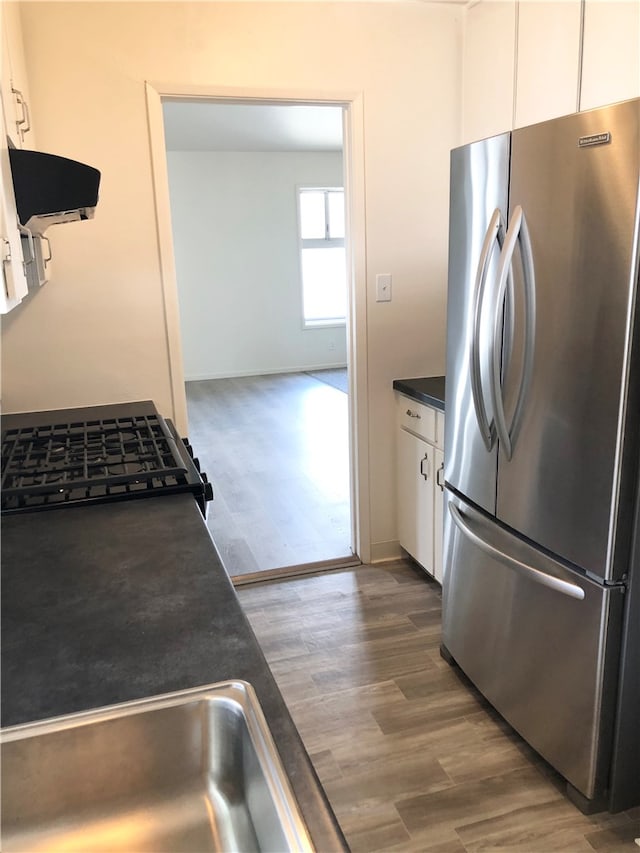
215,126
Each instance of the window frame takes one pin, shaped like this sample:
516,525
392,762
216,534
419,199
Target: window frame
325,242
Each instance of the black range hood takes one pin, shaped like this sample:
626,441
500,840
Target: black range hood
50,189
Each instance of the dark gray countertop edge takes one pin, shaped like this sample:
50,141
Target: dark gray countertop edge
105,604
428,389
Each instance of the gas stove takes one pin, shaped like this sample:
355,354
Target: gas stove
96,454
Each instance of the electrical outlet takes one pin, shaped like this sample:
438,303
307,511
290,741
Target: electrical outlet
383,287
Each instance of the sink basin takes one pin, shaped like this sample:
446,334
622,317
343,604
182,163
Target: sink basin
190,771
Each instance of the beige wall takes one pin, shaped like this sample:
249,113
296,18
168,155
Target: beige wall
97,333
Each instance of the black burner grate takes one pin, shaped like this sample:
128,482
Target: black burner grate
84,460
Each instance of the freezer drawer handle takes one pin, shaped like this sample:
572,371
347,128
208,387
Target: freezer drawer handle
517,232
493,235
556,584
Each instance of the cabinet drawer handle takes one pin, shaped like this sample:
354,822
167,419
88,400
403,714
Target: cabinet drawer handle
424,473
413,414
440,477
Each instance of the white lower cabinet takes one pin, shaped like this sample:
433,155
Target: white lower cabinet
419,459
415,497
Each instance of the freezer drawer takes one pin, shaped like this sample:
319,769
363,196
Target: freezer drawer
535,638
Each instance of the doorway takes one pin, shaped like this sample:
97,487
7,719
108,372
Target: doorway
266,391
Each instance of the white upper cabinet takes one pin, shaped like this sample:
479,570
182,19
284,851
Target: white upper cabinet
611,52
14,87
13,284
14,126
548,59
487,70
527,61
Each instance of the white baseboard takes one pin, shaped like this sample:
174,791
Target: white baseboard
384,552
262,371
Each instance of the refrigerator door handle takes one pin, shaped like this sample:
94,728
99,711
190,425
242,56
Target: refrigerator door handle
516,232
554,583
493,234
530,327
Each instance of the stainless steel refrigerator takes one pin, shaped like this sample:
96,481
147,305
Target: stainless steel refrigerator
540,610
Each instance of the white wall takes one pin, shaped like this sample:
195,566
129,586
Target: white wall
98,333
234,220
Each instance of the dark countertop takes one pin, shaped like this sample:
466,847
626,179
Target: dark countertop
428,390
108,603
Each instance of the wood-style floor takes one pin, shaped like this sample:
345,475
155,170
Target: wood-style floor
276,449
410,755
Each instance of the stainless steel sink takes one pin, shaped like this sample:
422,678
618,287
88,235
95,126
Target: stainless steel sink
190,771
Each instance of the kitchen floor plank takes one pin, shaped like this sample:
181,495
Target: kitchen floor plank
549,826
411,755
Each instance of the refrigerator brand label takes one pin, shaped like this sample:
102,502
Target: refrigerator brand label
594,139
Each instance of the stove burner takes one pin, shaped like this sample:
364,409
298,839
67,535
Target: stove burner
92,460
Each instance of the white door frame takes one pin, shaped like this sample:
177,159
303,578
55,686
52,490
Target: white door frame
353,157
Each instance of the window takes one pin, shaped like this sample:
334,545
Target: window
324,276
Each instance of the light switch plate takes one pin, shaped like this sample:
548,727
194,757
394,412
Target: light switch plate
383,287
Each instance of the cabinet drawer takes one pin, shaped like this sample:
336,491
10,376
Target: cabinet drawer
417,418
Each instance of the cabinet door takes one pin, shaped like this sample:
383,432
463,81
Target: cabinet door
14,88
611,52
415,497
548,60
438,518
13,286
488,69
